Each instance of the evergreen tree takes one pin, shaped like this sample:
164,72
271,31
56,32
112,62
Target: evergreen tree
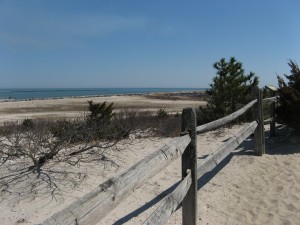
288,110
230,90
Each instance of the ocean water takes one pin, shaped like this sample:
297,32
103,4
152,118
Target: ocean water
43,93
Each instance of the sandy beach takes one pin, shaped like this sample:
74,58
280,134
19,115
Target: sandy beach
243,189
70,107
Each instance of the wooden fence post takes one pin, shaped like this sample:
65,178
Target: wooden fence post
259,133
272,115
189,162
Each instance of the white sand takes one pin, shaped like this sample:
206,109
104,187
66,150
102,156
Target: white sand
246,190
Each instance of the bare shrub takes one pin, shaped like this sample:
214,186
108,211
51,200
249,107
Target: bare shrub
169,127
40,153
36,157
160,124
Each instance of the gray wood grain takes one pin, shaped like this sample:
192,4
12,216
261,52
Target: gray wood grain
170,203
224,120
259,134
211,161
189,162
92,207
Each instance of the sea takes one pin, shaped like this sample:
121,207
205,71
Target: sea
52,93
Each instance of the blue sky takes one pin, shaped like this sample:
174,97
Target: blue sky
154,43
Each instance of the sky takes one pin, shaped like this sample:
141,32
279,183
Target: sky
139,43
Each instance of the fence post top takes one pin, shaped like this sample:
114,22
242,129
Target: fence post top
187,109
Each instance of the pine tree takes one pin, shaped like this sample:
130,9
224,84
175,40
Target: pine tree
230,90
288,111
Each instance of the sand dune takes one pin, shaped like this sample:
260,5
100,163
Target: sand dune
243,189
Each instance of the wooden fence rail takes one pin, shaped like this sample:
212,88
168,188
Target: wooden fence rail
225,120
92,207
170,203
211,161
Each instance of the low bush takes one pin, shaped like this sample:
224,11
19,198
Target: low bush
288,110
161,114
27,124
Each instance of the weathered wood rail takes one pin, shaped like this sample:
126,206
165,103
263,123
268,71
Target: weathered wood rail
95,205
92,207
225,120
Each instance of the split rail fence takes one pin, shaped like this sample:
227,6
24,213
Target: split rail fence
95,205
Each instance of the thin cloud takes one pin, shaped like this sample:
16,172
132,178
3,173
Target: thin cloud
95,25
48,30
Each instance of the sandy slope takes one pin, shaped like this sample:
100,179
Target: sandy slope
246,189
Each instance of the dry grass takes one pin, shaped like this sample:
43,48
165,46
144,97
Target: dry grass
70,107
184,96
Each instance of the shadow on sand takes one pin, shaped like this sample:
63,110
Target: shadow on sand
243,149
285,142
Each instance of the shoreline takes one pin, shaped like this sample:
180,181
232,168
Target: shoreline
65,97
10,99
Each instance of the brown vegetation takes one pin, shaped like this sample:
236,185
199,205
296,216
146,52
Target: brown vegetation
35,147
